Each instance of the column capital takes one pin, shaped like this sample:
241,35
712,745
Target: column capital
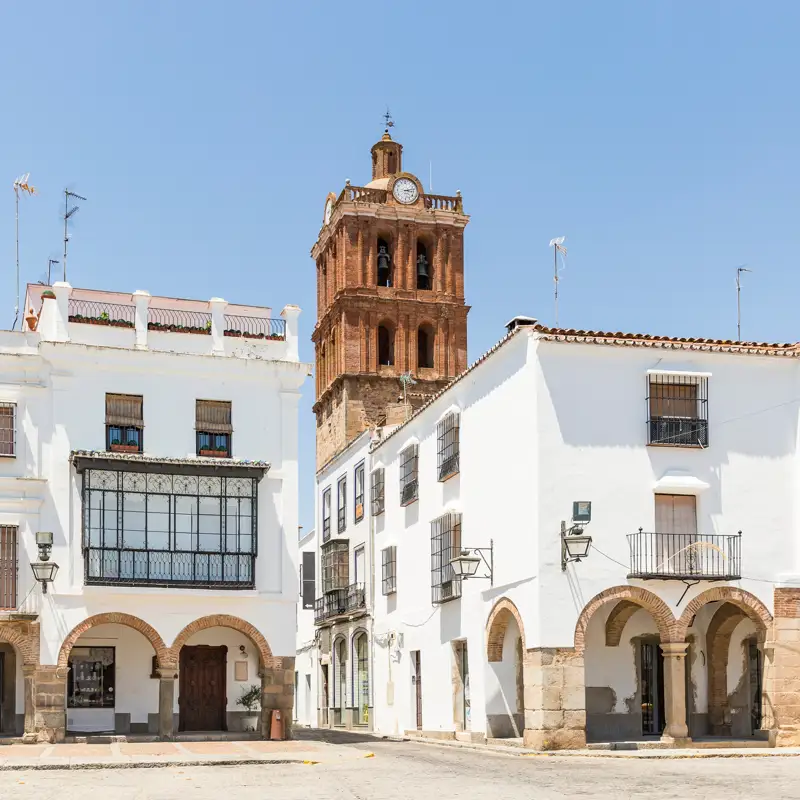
167,673
674,649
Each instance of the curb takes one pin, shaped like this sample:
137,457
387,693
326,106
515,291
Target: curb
100,765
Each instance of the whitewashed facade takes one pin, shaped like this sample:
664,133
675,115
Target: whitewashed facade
157,440
674,625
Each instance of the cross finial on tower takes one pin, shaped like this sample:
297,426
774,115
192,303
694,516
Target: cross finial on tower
388,120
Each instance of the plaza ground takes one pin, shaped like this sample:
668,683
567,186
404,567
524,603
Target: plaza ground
408,769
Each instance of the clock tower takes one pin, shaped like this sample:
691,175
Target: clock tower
390,300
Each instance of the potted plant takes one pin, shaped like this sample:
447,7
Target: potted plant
250,700
130,446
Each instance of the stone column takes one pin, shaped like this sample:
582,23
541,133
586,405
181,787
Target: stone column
29,677
166,702
676,729
781,699
555,699
50,704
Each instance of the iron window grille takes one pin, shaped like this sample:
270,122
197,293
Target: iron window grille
677,410
341,504
445,546
447,446
340,602
409,475
124,423
377,492
359,493
213,428
335,557
169,530
389,572
9,567
326,515
8,429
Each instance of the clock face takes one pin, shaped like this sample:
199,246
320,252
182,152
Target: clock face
328,210
405,191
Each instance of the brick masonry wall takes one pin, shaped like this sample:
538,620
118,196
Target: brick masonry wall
782,671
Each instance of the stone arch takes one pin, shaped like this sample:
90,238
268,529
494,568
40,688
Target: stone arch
747,602
115,618
497,624
224,621
25,645
618,619
718,639
659,610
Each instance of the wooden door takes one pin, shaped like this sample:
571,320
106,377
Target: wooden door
417,681
202,699
676,532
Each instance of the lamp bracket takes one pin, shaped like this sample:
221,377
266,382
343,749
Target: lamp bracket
488,562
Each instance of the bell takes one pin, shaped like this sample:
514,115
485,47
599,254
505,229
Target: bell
384,265
422,267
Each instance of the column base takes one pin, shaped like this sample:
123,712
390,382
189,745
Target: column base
677,741
557,739
785,736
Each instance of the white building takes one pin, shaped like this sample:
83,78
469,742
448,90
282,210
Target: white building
307,660
675,624
155,440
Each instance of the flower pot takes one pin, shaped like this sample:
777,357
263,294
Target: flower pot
124,448
251,721
214,453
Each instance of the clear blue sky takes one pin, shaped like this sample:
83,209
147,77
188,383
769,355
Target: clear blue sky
660,137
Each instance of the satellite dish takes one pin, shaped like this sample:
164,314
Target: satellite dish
557,241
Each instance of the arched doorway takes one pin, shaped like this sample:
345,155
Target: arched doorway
727,628
361,701
109,660
621,633
222,658
340,682
505,649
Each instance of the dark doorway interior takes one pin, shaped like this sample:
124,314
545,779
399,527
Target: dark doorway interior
652,685
8,691
754,657
202,698
416,680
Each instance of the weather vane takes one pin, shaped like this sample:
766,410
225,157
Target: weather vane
388,119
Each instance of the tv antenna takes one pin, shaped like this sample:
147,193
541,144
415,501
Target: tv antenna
20,184
739,271
68,214
558,247
50,262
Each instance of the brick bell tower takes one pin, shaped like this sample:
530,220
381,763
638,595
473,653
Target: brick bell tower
390,299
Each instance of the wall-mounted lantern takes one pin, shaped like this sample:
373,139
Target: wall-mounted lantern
465,565
44,570
575,543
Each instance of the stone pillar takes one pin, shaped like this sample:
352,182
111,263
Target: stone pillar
781,699
142,301
675,692
29,677
218,306
61,328
50,704
291,314
166,702
555,699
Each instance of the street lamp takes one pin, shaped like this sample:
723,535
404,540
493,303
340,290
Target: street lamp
44,571
575,544
465,565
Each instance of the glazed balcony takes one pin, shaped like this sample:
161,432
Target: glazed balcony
340,603
685,556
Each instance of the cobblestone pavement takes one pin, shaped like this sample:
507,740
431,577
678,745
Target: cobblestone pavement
405,770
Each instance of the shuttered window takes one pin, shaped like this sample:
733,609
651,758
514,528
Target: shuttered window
308,579
8,429
124,422
8,567
214,428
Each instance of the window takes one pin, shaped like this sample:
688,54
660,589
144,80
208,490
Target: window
425,339
124,423
335,565
359,496
213,426
360,566
9,567
385,346
90,682
377,492
169,530
8,429
445,546
447,446
326,514
341,504
389,572
409,475
677,410
384,264
308,579
423,267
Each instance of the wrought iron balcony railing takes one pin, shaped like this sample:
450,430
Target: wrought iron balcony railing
341,602
685,556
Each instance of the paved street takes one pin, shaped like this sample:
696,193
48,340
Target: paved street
409,770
